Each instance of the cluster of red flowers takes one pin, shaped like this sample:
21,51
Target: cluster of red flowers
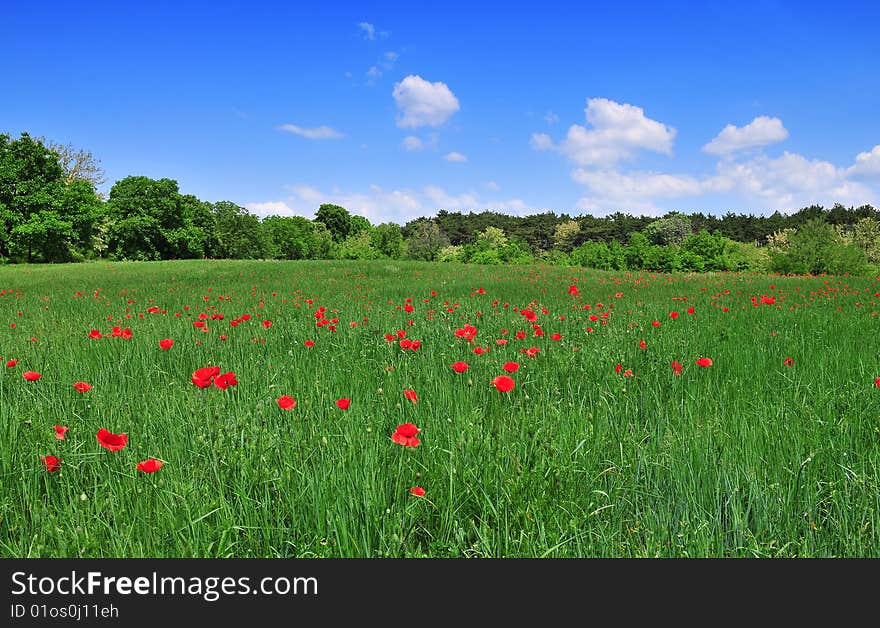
106,439
207,375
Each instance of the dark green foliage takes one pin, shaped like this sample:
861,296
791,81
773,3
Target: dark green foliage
336,219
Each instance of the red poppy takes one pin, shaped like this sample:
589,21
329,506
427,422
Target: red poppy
60,431
406,435
655,323
503,383
166,344
573,290
411,395
418,491
267,324
82,387
111,441
628,373
877,382
531,352
643,344
690,310
225,381
31,376
480,350
286,402
510,367
556,337
676,368
126,333
704,362
309,343
150,466
618,368
460,367
343,403
94,334
673,315
204,376
52,463
788,361
11,363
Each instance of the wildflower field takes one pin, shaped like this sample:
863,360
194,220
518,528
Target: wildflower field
386,409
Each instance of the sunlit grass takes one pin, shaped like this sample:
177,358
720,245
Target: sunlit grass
748,457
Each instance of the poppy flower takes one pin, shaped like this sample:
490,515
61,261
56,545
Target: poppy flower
204,376
11,363
309,343
503,383
643,344
111,441
126,333
618,368
655,323
573,290
94,334
704,362
150,466
52,463
411,395
60,431
405,435
673,315
166,344
267,324
343,403
676,368
418,491
31,376
690,310
460,367
788,361
628,373
877,382
225,381
510,367
556,337
286,402
82,387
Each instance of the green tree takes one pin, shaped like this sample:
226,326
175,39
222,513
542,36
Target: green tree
336,219
239,233
388,239
43,215
673,228
289,237
425,240
565,235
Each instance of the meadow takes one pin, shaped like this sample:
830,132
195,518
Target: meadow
716,415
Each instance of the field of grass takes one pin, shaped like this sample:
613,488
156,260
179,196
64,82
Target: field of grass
755,455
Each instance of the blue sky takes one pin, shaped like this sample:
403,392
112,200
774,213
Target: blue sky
397,110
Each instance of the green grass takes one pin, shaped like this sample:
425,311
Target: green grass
747,457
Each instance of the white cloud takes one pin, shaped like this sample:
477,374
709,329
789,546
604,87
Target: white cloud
617,131
639,185
867,165
423,103
455,157
541,142
411,143
551,118
759,132
786,183
315,133
368,30
271,208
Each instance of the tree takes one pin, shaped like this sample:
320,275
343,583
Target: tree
673,228
147,220
43,216
388,238
239,233
866,235
336,219
425,241
289,237
565,235
78,164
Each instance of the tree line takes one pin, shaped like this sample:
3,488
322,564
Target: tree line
51,211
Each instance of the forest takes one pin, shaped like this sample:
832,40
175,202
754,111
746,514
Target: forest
51,211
